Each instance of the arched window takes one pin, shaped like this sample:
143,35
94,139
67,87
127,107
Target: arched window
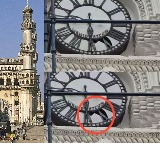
8,81
27,82
1,81
16,82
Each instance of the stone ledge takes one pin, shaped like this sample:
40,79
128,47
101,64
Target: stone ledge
111,63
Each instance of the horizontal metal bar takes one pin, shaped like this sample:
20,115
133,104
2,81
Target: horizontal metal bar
102,21
53,93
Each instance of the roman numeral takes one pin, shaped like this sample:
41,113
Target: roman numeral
53,78
89,2
60,105
75,3
75,42
64,9
64,32
109,84
115,34
91,46
71,114
102,3
99,74
114,11
61,82
116,107
84,74
87,117
71,75
103,115
107,44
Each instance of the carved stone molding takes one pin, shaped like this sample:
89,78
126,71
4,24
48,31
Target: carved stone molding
116,135
141,8
147,38
137,81
9,61
145,112
103,63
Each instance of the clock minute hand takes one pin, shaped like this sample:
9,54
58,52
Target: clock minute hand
87,117
70,16
90,32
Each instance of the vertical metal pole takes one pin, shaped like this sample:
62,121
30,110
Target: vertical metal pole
45,50
49,121
45,28
53,51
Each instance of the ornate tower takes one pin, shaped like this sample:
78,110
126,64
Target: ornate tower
28,56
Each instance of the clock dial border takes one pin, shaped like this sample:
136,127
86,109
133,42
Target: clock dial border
65,120
72,47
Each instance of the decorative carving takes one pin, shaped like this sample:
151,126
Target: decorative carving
136,81
141,8
72,134
147,38
10,61
103,63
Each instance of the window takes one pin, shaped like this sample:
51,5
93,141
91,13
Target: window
1,81
16,82
9,81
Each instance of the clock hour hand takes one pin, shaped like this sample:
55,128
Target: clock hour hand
65,89
90,32
70,16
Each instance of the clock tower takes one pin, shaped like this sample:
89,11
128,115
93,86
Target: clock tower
29,56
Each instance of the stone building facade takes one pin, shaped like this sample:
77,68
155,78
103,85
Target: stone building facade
19,81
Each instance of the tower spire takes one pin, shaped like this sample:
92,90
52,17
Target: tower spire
27,3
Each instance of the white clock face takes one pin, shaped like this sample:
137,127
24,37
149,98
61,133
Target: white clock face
92,38
98,111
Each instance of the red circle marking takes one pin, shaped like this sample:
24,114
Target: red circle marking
92,132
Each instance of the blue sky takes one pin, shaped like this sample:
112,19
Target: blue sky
10,29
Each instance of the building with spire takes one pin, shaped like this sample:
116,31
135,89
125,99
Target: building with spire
19,81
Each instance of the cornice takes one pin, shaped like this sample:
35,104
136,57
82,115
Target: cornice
116,63
10,61
75,134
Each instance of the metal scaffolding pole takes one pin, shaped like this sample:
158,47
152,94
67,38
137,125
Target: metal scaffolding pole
53,51
53,93
68,20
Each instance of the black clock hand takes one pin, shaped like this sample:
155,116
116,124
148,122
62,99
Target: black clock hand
87,117
70,16
65,89
90,32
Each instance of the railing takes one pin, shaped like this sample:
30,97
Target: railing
49,46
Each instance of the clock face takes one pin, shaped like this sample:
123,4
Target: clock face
94,38
94,112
